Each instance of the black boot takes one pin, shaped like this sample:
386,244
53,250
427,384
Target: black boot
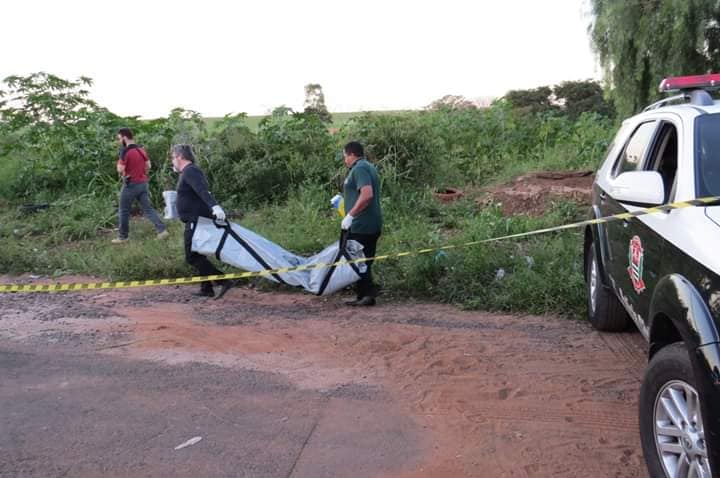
366,301
205,291
225,286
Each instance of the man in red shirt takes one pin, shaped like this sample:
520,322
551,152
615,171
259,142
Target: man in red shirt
133,166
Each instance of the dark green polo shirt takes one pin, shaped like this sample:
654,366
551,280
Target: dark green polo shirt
370,220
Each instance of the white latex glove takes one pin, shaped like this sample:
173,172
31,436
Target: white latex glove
346,222
218,212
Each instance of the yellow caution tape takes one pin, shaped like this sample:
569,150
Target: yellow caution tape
246,275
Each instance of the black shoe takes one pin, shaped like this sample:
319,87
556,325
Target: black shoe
204,293
366,301
225,286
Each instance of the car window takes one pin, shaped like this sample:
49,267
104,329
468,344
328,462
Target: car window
707,155
634,152
664,157
619,136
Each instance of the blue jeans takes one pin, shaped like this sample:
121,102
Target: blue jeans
128,194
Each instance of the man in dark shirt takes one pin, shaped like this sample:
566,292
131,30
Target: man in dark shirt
194,200
364,219
133,166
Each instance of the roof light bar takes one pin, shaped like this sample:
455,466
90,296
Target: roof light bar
702,82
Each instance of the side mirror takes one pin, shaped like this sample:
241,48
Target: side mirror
642,188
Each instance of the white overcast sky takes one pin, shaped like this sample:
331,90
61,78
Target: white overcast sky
219,57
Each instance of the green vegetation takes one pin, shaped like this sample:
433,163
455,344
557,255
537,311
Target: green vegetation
641,42
338,119
281,177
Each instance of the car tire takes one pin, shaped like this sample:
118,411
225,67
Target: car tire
604,310
668,394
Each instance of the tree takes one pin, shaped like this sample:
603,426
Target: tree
281,110
452,102
58,131
639,42
536,100
315,102
577,97
569,97
41,101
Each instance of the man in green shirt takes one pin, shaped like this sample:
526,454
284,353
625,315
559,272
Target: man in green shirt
364,219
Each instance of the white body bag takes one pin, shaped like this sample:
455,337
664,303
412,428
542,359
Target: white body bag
242,248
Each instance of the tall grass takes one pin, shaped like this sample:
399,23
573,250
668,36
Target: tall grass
281,178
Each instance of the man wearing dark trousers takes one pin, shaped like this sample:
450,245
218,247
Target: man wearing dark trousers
193,201
133,167
364,219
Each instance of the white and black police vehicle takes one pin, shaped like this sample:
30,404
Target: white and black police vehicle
662,271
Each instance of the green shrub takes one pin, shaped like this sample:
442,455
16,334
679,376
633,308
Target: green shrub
403,146
57,146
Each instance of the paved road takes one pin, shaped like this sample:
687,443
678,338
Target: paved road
88,415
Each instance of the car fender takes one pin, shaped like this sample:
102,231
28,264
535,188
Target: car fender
597,233
677,300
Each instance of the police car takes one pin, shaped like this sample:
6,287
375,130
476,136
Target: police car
662,271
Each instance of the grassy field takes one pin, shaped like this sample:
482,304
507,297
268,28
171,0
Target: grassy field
538,275
282,178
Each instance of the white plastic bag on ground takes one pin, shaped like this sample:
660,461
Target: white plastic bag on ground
242,248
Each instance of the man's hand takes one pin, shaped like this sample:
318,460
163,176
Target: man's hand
218,212
346,222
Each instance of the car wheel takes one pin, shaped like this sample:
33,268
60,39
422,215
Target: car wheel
605,312
671,426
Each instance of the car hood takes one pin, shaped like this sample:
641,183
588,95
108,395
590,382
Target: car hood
713,213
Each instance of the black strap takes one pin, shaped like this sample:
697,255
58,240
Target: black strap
141,152
342,252
221,244
329,273
344,237
137,147
229,231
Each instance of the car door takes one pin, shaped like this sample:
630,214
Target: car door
626,259
645,242
637,247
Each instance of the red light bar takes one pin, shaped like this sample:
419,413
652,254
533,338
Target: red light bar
705,82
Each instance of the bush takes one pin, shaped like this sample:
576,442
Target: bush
57,146
403,146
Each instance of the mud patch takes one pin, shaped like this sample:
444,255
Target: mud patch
533,194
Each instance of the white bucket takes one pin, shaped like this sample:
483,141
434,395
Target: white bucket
170,198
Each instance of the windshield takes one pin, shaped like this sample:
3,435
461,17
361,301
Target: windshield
707,155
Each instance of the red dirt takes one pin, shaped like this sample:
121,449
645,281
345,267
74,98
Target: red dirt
493,395
533,193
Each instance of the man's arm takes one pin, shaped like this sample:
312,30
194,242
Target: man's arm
120,166
196,180
146,158
366,195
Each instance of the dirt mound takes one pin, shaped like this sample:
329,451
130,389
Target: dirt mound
533,193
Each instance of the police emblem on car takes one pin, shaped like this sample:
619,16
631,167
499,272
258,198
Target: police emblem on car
635,269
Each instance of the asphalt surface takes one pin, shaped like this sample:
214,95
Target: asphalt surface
82,415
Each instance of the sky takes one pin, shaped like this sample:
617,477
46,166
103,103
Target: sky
221,57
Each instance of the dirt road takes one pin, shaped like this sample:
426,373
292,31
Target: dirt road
289,385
